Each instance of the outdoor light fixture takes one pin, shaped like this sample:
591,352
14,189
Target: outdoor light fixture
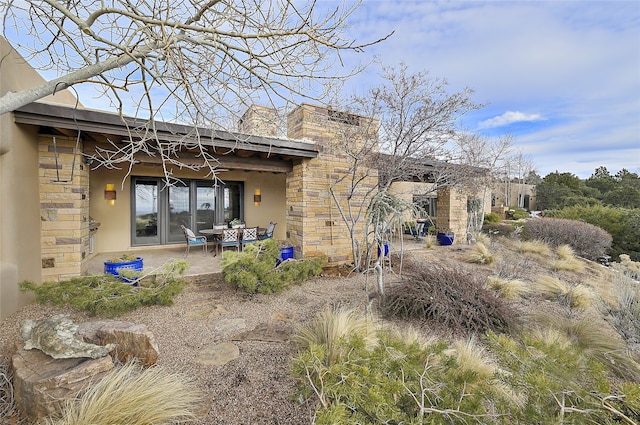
257,198
110,194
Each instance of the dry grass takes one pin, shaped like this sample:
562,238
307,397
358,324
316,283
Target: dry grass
331,325
479,254
133,396
509,289
551,288
532,247
567,260
597,339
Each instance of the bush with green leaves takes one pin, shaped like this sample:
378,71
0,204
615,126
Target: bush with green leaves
106,295
492,218
539,378
587,240
255,270
452,297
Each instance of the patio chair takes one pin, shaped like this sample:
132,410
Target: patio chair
230,237
268,233
192,239
249,235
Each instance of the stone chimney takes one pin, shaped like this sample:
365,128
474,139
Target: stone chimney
259,121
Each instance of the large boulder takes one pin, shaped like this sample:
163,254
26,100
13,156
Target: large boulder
56,336
42,384
133,341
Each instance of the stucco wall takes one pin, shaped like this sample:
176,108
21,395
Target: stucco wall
19,187
114,233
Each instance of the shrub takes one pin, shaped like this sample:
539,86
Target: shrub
625,311
491,218
452,297
587,240
543,377
135,396
254,269
106,295
498,229
623,224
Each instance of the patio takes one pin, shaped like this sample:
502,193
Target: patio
202,265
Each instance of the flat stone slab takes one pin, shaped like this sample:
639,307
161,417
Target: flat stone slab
229,326
265,332
218,354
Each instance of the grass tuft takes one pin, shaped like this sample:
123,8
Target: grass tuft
509,289
479,254
332,325
533,247
133,396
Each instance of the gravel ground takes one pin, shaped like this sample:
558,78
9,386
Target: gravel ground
257,387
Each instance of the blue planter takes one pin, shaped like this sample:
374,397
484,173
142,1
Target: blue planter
445,238
386,249
285,253
115,267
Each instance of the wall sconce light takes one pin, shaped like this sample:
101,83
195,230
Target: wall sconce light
257,198
110,194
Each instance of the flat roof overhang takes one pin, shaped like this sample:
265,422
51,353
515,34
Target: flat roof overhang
102,129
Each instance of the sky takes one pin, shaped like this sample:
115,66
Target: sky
561,77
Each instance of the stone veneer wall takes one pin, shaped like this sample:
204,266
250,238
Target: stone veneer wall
451,213
64,209
314,224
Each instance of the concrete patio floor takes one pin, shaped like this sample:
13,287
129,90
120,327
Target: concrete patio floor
202,265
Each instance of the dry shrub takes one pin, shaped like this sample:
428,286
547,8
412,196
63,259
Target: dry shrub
330,326
532,247
509,289
479,254
135,396
587,240
451,297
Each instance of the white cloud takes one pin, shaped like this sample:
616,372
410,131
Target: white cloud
510,117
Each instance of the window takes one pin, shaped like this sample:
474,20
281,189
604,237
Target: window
158,211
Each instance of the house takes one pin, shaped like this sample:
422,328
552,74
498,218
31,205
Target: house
59,208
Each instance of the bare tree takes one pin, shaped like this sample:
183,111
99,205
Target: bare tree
179,60
484,153
404,128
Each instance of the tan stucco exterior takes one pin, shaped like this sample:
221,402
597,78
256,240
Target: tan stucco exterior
19,186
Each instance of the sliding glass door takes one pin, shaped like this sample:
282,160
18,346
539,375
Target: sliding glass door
158,211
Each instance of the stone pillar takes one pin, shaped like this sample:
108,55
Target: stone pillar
314,224
451,213
64,208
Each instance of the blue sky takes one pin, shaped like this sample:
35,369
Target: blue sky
562,77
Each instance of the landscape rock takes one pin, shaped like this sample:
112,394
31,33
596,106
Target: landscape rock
265,332
133,341
42,384
218,354
56,336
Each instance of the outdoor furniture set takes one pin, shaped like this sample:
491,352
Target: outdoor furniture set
222,236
